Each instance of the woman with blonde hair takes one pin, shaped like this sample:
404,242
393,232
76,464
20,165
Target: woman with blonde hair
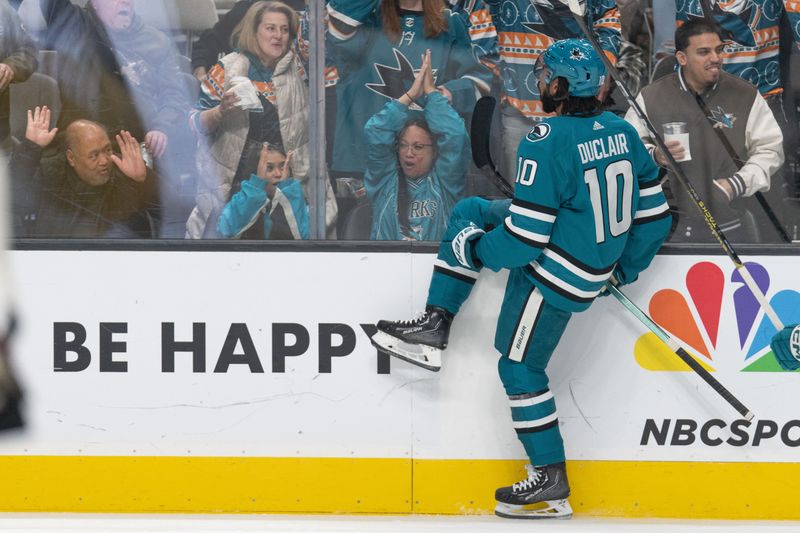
257,94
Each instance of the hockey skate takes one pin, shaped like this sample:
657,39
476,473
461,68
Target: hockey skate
419,341
543,495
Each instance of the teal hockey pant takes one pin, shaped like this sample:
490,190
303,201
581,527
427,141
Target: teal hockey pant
528,331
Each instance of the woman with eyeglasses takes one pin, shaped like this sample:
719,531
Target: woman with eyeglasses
415,162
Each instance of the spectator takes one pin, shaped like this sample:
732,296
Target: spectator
216,43
525,29
375,46
86,190
115,70
752,33
739,111
269,72
270,196
415,166
17,60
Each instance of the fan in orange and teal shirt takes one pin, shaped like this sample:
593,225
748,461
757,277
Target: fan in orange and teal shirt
525,29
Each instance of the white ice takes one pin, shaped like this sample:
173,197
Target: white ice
85,523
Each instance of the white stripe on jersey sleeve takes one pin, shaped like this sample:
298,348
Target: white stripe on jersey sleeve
531,213
525,234
575,269
644,213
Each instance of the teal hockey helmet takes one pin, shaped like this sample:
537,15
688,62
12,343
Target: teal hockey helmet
577,62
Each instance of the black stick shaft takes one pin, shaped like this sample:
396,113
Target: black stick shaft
680,352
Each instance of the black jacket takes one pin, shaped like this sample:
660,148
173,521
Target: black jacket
124,79
50,200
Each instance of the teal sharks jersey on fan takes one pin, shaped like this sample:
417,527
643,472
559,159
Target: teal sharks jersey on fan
579,212
374,70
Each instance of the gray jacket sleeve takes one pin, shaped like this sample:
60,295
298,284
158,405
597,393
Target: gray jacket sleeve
18,49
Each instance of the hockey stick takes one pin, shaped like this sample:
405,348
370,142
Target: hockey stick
578,9
480,137
680,352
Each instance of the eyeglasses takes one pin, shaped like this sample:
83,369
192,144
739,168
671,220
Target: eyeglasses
416,148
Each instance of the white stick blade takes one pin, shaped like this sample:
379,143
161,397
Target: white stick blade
578,7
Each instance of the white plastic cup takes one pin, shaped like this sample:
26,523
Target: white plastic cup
677,131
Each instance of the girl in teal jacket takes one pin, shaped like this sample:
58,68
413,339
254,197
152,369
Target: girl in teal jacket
270,204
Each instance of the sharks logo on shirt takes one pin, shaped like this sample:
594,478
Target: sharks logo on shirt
722,119
395,79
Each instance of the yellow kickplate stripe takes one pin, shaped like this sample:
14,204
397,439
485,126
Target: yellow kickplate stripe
385,486
205,485
631,489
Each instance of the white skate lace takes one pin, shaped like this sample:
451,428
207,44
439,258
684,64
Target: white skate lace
534,477
419,316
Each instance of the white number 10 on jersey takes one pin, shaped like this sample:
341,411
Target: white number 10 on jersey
526,171
617,208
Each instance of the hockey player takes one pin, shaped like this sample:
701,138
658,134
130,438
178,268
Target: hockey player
587,205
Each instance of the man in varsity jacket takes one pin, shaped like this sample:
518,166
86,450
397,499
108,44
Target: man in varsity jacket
587,204
739,112
755,33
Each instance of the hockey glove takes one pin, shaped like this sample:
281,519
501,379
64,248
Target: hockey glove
612,280
786,347
465,235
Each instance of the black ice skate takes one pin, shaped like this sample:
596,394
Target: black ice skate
419,341
543,495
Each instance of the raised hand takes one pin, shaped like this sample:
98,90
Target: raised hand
428,83
38,129
131,163
287,169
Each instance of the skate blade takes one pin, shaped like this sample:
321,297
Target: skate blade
427,357
559,509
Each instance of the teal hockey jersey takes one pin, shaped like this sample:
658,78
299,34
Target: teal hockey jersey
587,203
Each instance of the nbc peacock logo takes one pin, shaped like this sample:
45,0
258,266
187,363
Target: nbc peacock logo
692,315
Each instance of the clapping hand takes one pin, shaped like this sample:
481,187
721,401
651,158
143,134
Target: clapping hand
287,169
38,129
131,163
423,81
428,85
